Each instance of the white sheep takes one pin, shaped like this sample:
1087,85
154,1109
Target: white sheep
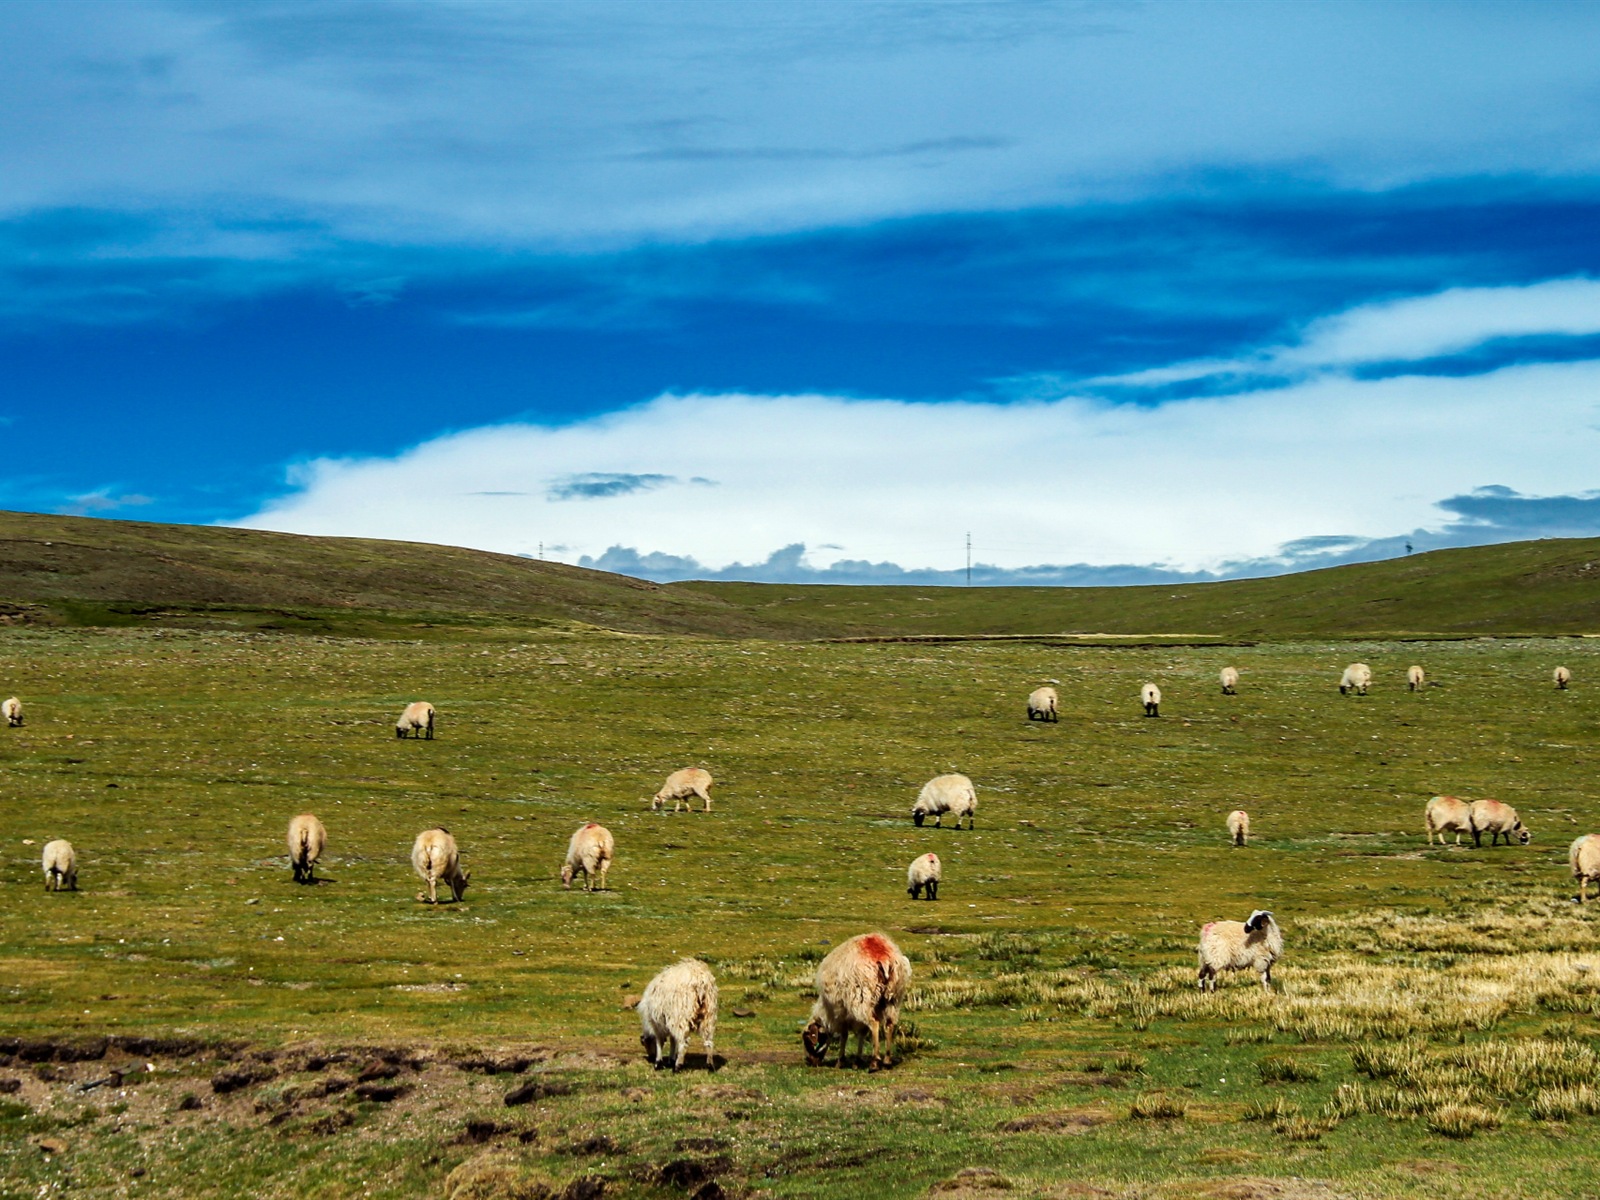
306,838
1584,855
60,866
679,1002
417,721
1416,678
681,787
946,794
1150,697
1445,814
925,872
1357,678
1562,677
860,985
1497,820
1239,827
437,860
1252,945
1230,681
1043,704
12,711
589,851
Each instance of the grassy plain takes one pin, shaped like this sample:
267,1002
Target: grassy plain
1427,994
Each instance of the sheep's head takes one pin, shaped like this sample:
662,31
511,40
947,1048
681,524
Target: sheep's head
649,1044
815,1039
458,885
1524,834
918,816
566,876
1259,919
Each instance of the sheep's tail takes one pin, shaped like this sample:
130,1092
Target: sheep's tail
303,859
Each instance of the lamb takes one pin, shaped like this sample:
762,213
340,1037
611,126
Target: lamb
1444,814
589,851
1239,827
946,793
1253,945
681,787
1150,697
1357,677
1584,855
417,720
924,873
1230,681
1562,676
12,711
306,839
681,1000
1416,678
859,988
437,860
60,866
1043,704
1497,820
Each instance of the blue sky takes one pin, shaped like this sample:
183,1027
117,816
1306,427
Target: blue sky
1129,291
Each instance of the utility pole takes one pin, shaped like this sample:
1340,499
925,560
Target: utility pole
541,551
969,558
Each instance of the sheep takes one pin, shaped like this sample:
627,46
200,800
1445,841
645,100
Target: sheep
12,711
60,866
436,859
417,720
1357,678
859,988
1239,827
1150,697
1043,704
1444,814
924,873
589,851
1498,820
1562,677
1584,855
1416,678
1230,681
306,839
946,793
681,1000
681,787
1253,945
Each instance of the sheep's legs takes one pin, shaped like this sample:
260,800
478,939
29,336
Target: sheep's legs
1266,979
1583,889
933,889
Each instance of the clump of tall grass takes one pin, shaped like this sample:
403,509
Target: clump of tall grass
1463,1120
1281,1068
1562,1103
1157,1106
1014,948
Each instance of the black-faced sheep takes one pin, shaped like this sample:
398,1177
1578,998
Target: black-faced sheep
1584,855
12,711
1445,814
589,851
679,1002
1239,827
924,874
60,866
1357,678
416,721
1252,945
946,794
1497,820
437,860
1230,681
681,787
1150,697
306,838
1043,704
859,989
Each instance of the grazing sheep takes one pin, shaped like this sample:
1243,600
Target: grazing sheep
1446,813
1584,855
1150,697
1357,678
417,720
60,866
1252,945
1562,676
437,860
589,851
12,711
1230,681
1239,827
859,988
924,872
681,787
1497,820
946,793
1043,704
1416,678
306,839
679,1002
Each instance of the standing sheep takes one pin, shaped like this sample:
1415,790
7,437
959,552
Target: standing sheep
946,793
1445,814
1416,678
859,988
589,851
1230,681
1357,678
1497,820
1150,697
1562,676
681,787
437,860
417,721
924,872
1239,827
1584,855
1252,945
60,866
679,1002
1043,704
306,839
12,711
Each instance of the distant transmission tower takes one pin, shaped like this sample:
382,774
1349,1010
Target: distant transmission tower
969,558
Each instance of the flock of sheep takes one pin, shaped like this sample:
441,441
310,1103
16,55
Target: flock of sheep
861,982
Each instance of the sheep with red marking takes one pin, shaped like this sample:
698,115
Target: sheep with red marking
681,787
680,1002
589,851
1497,820
437,859
860,985
924,875
1239,827
1252,945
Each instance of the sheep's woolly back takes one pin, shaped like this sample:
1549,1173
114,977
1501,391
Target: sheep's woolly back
306,839
589,850
681,785
681,1001
1150,694
60,862
923,868
1446,814
436,858
1230,679
1044,701
418,715
1562,676
861,983
946,794
1584,855
1416,677
1239,827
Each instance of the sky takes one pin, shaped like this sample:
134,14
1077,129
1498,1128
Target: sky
1123,292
